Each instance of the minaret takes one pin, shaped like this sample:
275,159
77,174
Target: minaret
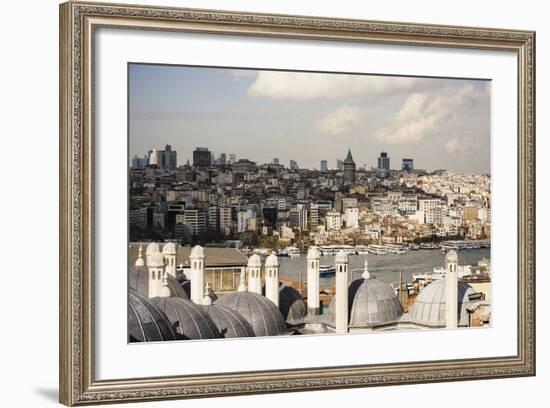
169,251
342,264
313,281
366,273
272,279
254,279
451,288
164,290
139,260
197,274
152,248
207,300
156,273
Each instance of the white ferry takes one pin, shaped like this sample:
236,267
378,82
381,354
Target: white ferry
439,273
292,251
377,249
327,270
467,244
361,249
396,249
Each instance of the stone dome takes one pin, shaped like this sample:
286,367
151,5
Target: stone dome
313,253
229,322
169,249
429,307
138,280
190,321
372,303
255,261
260,312
291,305
271,261
341,257
146,322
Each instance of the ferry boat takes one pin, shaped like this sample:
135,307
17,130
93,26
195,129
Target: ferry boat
327,270
292,251
361,250
428,245
466,244
377,249
396,249
414,247
439,273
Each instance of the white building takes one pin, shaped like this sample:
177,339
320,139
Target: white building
352,217
333,220
242,219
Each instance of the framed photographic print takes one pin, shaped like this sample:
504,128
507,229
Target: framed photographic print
258,203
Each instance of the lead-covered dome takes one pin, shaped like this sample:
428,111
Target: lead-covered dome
229,322
260,312
372,303
430,305
138,280
190,321
291,305
146,322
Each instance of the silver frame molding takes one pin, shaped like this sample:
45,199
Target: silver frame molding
78,22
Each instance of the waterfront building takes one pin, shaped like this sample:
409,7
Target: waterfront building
349,168
202,157
384,161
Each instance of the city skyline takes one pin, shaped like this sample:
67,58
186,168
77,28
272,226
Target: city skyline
437,122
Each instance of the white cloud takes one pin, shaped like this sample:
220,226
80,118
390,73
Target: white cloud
424,114
308,86
464,145
343,120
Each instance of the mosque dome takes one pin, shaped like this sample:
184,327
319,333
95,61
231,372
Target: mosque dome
313,253
271,261
255,261
371,303
341,257
291,305
146,322
260,312
429,307
197,252
190,321
229,322
169,249
138,280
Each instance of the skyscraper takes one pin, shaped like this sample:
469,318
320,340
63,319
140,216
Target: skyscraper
223,159
293,165
324,165
339,165
349,168
275,160
384,161
408,165
202,157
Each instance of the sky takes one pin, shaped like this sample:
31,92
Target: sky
309,117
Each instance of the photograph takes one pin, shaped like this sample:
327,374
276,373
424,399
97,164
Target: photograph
268,202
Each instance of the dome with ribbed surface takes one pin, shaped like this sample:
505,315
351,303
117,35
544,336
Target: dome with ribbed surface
429,307
260,312
146,322
190,321
229,322
291,305
371,303
138,280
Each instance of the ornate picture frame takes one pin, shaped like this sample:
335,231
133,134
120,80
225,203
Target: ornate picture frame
78,24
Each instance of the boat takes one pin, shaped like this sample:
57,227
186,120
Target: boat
377,249
327,270
414,247
396,249
428,245
292,251
361,250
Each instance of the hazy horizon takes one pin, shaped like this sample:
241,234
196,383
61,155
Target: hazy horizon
309,117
